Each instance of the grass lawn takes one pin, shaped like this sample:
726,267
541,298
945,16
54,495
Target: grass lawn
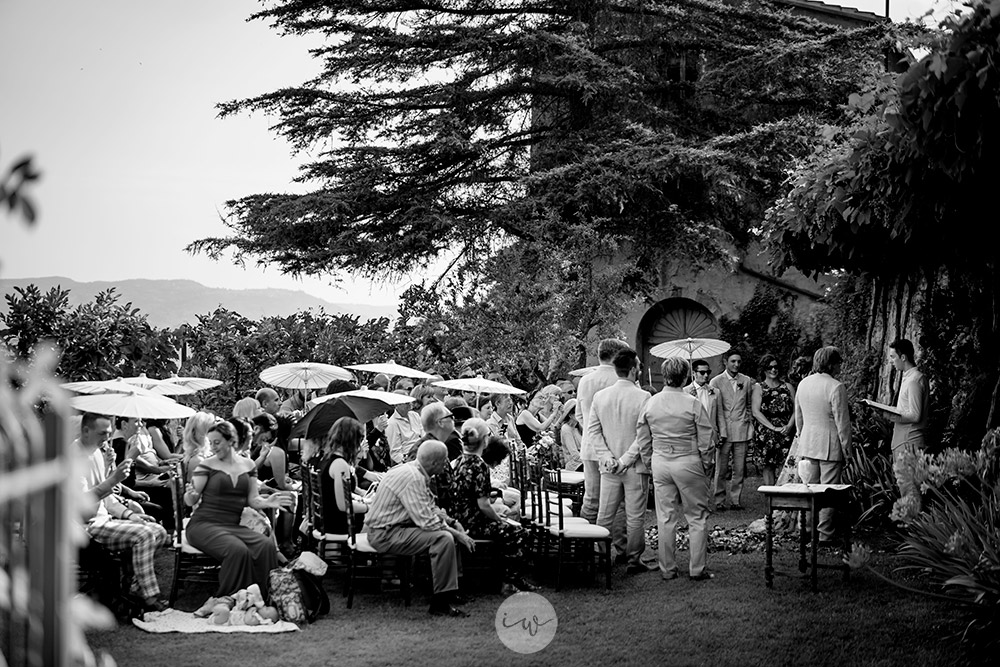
731,620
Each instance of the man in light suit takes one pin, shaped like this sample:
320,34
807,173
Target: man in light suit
733,388
590,384
614,414
709,398
823,422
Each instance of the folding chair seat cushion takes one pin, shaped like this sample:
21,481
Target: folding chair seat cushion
329,537
571,477
580,530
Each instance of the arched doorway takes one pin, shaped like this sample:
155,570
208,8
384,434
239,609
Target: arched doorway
671,319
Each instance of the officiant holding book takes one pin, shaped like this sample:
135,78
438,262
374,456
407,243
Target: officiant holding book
910,424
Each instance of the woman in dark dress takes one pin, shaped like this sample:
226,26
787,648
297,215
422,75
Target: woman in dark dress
773,406
345,444
221,486
471,506
543,411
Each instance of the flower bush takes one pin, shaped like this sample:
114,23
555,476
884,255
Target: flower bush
950,506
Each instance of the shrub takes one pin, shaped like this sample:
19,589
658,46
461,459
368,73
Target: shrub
950,506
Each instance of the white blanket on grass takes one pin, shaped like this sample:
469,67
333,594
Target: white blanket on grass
174,620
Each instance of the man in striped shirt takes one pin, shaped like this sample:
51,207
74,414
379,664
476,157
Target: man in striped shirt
404,519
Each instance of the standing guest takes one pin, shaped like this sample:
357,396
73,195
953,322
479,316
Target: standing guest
222,485
709,398
734,399
570,436
773,406
799,369
403,431
590,384
614,414
471,491
674,439
343,447
910,425
543,410
404,519
113,524
823,422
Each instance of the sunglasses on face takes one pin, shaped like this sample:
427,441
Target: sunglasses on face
772,367
701,372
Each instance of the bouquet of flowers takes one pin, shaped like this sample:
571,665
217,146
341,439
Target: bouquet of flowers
544,453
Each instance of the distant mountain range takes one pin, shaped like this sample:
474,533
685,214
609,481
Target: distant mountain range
170,303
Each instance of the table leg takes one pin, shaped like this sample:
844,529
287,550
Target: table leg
802,541
768,569
815,543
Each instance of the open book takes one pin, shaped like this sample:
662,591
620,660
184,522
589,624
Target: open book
883,406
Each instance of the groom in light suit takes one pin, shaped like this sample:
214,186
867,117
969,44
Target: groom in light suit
614,414
709,398
590,384
733,388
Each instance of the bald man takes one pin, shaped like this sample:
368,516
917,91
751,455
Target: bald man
405,520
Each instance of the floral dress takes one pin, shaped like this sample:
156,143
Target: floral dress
771,447
470,482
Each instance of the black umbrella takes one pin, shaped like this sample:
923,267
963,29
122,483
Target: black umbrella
316,423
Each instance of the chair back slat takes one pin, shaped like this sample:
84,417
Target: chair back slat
552,479
345,481
177,486
316,503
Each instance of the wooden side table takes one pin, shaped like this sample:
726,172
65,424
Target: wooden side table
804,498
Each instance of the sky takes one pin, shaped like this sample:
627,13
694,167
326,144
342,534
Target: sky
115,100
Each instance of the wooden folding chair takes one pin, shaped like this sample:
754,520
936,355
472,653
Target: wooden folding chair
190,564
319,539
576,542
364,561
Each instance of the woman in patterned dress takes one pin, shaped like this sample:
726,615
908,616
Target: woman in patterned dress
471,505
773,406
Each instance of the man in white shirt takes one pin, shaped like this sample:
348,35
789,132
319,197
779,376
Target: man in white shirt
403,431
709,398
115,525
910,427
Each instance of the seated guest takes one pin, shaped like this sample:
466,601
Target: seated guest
194,444
222,485
403,431
377,461
543,411
471,490
439,424
570,437
152,462
423,396
404,519
495,455
244,434
248,408
114,525
344,446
